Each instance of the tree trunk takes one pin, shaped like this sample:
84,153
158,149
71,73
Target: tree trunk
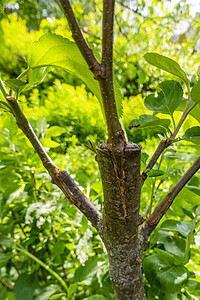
120,173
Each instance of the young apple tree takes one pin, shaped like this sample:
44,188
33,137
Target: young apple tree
123,230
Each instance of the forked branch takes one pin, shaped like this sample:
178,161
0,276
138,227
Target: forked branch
60,178
153,220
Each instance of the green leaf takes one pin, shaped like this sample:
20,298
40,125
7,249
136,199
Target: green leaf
47,292
57,296
72,289
150,122
163,274
4,106
95,297
35,77
176,246
193,135
54,131
6,242
167,100
16,85
188,213
144,157
25,287
58,247
195,112
184,228
86,272
4,258
155,173
166,64
48,143
195,92
54,50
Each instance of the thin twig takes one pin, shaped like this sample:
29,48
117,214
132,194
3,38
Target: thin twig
153,220
161,147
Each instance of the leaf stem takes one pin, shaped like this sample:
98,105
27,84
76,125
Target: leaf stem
42,264
184,115
3,89
173,121
23,73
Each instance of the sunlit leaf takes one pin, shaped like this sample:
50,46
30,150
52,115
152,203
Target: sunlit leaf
54,131
49,143
54,50
16,85
193,135
195,92
166,64
35,77
167,100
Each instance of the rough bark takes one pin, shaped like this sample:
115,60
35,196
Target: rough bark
120,173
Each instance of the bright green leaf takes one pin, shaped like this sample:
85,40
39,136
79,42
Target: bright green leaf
35,77
163,274
16,85
48,143
193,135
54,131
195,92
166,64
195,112
188,213
155,173
167,100
54,50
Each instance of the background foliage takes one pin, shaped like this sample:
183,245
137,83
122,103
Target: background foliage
47,248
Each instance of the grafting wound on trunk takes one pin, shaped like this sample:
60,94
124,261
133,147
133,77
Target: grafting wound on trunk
120,173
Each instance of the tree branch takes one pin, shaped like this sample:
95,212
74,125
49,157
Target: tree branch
60,178
115,133
79,39
161,147
153,220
